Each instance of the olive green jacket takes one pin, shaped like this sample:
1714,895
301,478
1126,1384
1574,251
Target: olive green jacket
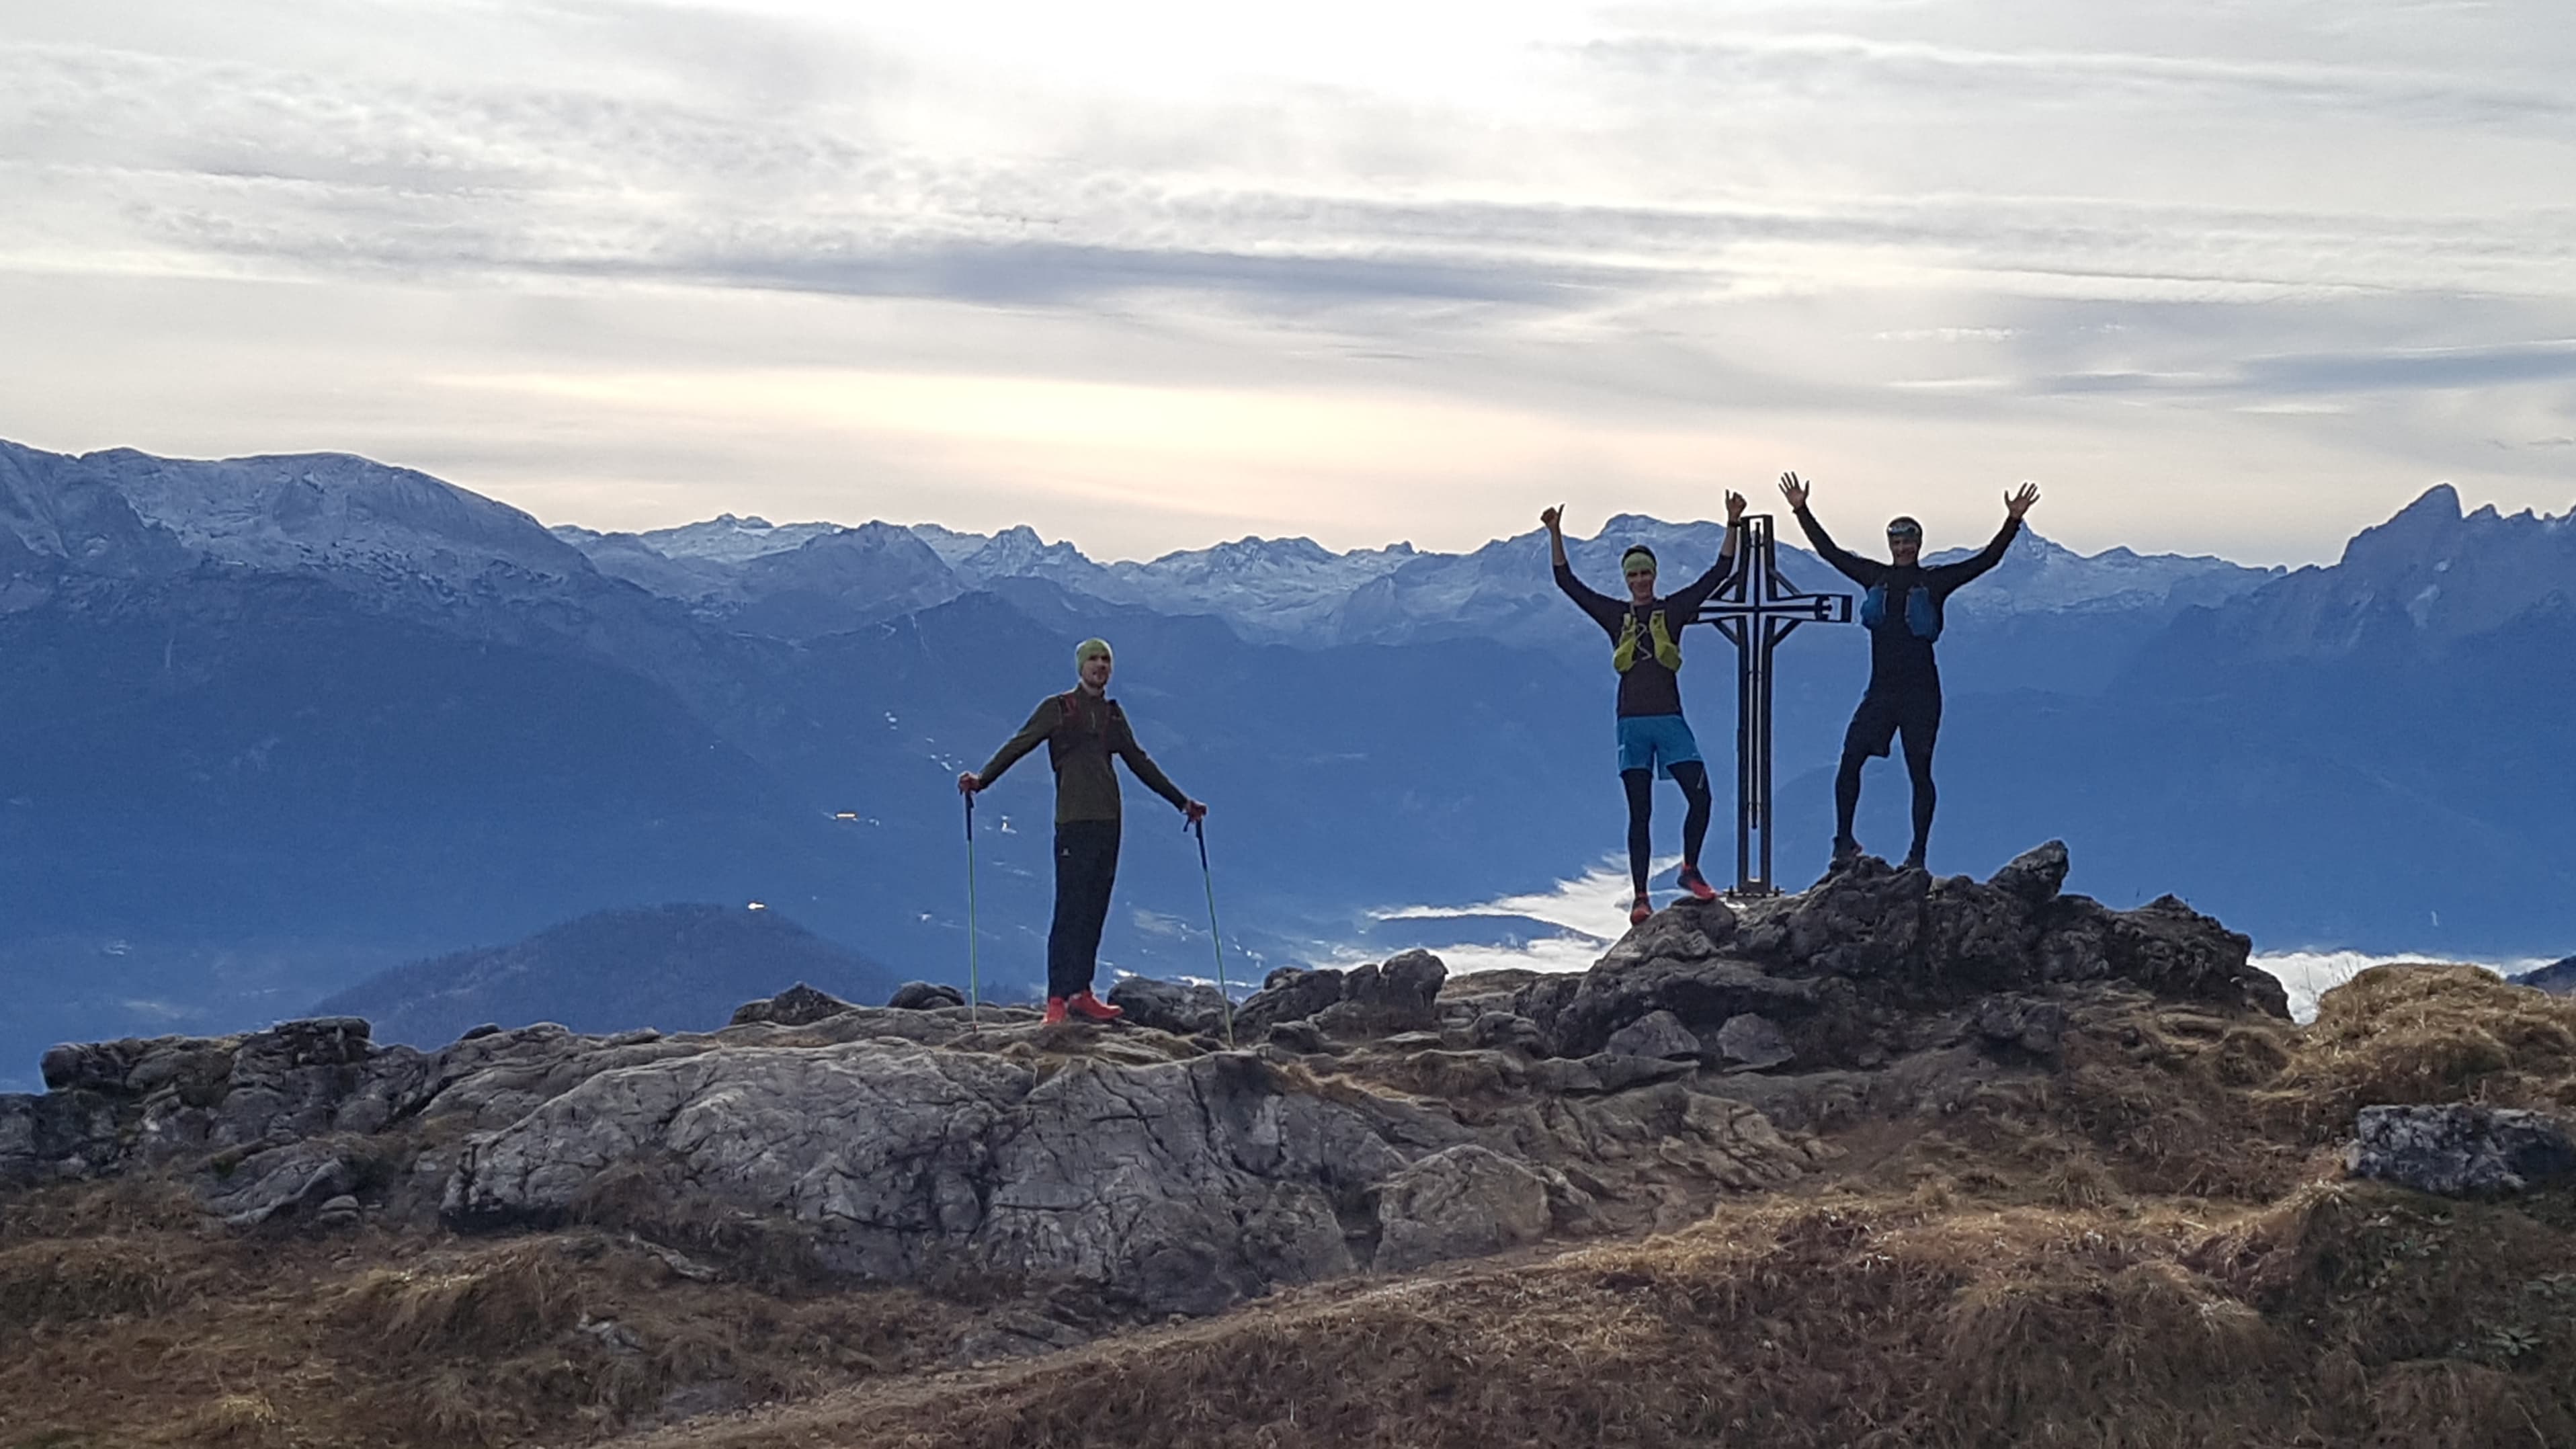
1081,735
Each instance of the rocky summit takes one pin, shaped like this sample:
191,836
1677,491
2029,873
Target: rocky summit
585,1236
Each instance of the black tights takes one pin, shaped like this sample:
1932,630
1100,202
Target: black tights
1086,870
1918,765
1692,776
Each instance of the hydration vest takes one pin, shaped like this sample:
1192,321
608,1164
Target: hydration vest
1667,653
1921,618
1076,719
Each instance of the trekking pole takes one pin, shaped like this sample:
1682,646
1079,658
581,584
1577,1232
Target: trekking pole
974,1023
1216,937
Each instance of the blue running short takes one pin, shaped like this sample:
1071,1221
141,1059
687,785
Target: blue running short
1655,741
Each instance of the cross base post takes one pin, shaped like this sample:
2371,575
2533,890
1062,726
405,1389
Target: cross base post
1756,611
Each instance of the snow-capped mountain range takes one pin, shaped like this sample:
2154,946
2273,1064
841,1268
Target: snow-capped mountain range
1295,591
275,723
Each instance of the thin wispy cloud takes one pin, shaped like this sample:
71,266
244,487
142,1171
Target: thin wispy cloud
1911,247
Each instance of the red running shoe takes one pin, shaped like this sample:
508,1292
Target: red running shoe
1638,913
1092,1006
1697,884
1054,1011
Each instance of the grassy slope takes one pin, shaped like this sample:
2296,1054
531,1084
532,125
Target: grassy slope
2149,1247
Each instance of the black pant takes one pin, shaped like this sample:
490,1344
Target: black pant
1086,866
1914,711
1692,776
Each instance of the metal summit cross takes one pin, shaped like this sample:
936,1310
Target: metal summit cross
1755,611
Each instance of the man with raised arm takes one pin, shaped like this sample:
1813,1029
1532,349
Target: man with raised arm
1645,637
1903,612
1083,730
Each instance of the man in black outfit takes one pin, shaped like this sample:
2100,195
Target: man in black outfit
1903,612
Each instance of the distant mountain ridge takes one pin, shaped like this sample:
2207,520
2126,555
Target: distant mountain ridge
2557,978
358,715
673,968
1294,590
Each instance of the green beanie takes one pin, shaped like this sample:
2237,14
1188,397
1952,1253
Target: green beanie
1634,553
1088,648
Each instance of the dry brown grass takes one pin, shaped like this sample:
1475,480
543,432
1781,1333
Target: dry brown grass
2428,1034
71,1280
160,1335
2151,1099
2148,1247
1806,1327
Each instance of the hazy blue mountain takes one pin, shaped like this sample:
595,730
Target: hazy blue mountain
818,578
223,740
2557,978
676,968
1294,591
276,724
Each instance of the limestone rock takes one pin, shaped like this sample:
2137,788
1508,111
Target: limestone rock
1302,1037
2460,1150
98,1066
2175,951
920,996
1184,1185
1619,1073
1865,920
58,1137
1872,923
1464,1202
1656,1034
1659,1133
1753,1042
1291,993
1507,1031
1580,1013
798,1005
1687,930
1400,995
612,1336
2021,1024
1830,969
1412,978
284,1181
2035,876
1179,1008
1566,1076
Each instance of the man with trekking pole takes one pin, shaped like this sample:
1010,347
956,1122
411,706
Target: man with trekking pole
1083,730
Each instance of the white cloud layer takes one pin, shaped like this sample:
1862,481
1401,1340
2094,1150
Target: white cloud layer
2227,278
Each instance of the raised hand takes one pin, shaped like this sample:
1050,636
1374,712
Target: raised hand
1734,507
1552,517
2018,502
968,783
1793,490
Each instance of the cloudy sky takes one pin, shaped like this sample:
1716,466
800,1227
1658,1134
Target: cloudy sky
2233,276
